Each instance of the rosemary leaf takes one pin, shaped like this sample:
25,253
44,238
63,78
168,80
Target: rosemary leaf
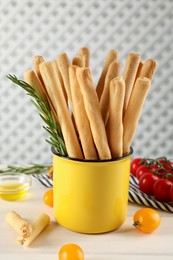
33,169
53,129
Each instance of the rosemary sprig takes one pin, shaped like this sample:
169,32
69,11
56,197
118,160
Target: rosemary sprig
34,169
53,129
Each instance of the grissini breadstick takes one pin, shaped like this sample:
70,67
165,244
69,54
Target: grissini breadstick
92,108
115,121
50,76
31,78
133,111
48,86
36,62
63,66
113,71
62,85
111,56
38,226
63,63
131,67
81,118
78,61
139,70
85,54
148,69
23,227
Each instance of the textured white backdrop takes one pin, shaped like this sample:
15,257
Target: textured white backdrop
29,28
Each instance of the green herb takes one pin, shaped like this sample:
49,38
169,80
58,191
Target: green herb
56,138
35,168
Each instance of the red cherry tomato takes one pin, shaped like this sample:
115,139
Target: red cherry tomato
168,166
162,160
169,176
146,182
159,171
171,194
161,190
141,170
135,164
150,168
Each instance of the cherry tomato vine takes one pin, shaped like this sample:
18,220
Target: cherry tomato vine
155,177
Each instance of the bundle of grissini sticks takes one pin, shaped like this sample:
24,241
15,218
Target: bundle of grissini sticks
97,122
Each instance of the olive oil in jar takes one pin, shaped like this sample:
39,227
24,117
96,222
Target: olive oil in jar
12,191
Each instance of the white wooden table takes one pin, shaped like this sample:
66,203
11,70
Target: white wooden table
124,244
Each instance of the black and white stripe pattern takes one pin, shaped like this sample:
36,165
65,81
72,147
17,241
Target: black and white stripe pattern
135,194
44,179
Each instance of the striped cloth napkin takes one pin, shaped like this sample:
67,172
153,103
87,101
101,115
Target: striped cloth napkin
135,195
139,197
44,179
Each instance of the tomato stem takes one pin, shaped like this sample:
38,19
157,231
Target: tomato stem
167,175
162,158
136,224
147,162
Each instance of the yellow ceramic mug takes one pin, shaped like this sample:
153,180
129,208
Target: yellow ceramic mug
90,196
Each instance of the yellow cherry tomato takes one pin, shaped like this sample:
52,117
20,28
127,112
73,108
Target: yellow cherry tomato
50,172
71,252
146,220
48,198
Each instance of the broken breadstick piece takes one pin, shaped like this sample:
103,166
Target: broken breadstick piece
148,69
133,111
111,56
93,111
113,71
81,118
50,76
115,120
131,67
38,225
23,227
84,53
